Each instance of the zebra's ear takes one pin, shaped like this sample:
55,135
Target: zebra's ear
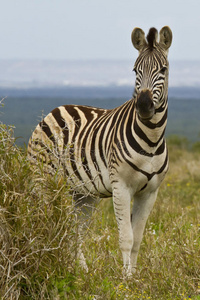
165,38
138,38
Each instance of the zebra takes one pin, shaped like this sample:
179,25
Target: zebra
118,152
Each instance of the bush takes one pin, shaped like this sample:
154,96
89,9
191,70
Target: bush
37,228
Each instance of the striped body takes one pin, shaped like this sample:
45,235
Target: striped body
96,147
119,152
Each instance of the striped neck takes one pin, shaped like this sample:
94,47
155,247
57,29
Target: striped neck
153,130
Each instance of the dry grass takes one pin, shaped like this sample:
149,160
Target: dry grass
38,233
38,237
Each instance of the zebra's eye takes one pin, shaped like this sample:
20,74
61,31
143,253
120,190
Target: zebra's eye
163,70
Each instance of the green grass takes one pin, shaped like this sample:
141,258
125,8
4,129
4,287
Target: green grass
38,236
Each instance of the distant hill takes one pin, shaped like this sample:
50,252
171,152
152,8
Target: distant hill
91,92
22,74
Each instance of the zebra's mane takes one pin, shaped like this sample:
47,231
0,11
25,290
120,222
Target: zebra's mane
152,37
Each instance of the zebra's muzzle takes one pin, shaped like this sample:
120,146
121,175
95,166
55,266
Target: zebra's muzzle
145,106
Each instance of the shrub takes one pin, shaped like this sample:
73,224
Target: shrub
38,233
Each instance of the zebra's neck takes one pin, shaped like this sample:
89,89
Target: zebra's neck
151,132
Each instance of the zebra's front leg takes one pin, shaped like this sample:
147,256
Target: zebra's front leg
142,206
121,201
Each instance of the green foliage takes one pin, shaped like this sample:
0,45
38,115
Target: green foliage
38,236
177,141
196,147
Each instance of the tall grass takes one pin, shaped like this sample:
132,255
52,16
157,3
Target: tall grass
38,236
37,228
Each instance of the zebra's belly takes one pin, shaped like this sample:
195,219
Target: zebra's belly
89,180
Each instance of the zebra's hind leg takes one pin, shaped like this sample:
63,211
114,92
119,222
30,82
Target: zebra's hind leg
84,206
142,206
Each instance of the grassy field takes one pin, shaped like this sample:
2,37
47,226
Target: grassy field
39,236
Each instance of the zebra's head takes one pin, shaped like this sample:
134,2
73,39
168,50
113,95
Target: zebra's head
151,68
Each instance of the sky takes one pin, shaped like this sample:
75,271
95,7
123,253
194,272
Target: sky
94,29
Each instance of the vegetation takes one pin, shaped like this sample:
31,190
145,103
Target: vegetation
38,236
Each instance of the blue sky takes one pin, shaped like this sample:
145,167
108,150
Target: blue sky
94,29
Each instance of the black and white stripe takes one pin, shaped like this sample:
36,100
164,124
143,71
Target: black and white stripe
119,152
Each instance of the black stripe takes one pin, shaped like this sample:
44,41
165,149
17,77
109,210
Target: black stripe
108,139
47,131
63,125
159,124
162,107
161,169
140,133
117,159
87,111
73,112
143,187
161,149
118,125
100,144
84,156
94,160
132,142
129,109
148,175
